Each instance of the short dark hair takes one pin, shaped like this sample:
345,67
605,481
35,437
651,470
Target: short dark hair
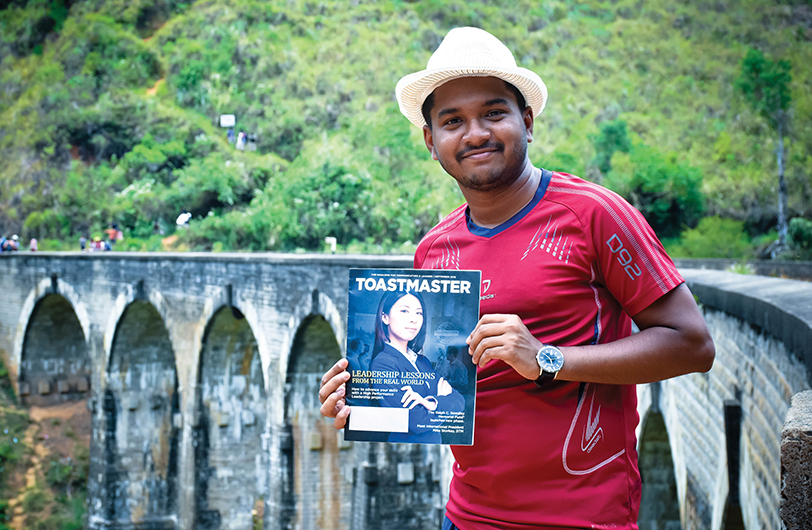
428,104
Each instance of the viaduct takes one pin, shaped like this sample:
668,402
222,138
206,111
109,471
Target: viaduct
200,374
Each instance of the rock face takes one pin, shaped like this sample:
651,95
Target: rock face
796,464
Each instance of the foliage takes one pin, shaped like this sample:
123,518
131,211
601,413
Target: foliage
35,500
800,239
612,138
68,474
667,192
800,233
11,436
5,384
742,268
713,237
108,113
765,84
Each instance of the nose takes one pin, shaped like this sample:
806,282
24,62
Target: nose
476,132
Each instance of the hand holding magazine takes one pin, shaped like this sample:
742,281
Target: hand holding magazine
411,378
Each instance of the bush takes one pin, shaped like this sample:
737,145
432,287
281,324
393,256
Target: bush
713,237
800,233
667,192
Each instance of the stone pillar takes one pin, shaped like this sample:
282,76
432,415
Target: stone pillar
796,463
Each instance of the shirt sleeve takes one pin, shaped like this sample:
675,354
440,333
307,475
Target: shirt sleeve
632,261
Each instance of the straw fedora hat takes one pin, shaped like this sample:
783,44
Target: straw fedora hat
467,52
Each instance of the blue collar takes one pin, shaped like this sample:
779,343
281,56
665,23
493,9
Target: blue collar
477,230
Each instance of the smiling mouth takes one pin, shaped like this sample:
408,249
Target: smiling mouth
479,152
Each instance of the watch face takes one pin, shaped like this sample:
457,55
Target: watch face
550,359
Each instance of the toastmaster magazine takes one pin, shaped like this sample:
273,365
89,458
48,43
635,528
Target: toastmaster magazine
411,377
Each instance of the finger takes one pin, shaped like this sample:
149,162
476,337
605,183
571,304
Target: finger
484,345
332,384
337,368
341,417
333,403
408,395
483,332
494,318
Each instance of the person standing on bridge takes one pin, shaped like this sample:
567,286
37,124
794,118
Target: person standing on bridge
567,265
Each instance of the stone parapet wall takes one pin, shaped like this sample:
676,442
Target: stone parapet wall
798,270
762,329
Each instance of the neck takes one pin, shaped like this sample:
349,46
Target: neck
489,209
400,346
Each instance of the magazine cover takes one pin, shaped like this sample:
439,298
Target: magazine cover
411,378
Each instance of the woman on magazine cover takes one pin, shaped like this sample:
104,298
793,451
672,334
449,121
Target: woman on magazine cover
400,330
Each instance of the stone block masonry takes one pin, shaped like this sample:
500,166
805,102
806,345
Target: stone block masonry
796,464
201,373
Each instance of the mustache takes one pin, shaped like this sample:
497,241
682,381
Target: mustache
496,146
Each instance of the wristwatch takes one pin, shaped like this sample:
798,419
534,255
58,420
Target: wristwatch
550,360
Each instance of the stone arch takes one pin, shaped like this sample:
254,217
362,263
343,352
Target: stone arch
55,365
229,438
659,506
316,304
45,287
140,408
315,492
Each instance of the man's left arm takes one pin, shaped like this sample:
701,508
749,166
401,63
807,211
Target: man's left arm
673,340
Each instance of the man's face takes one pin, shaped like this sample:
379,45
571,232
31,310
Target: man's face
478,134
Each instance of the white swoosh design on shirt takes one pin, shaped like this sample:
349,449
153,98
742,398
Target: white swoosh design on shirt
569,437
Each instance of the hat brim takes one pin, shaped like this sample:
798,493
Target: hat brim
413,89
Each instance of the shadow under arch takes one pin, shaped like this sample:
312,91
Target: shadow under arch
141,439
229,435
659,503
314,493
55,363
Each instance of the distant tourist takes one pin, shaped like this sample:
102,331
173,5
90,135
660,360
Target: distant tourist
9,245
252,142
32,245
82,242
97,245
183,219
241,141
230,135
114,234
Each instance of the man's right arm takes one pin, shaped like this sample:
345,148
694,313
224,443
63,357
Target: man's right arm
331,394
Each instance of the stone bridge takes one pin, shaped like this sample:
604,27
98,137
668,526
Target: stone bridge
200,375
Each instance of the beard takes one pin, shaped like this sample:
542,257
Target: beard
495,177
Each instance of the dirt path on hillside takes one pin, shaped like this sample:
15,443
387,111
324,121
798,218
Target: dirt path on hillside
55,432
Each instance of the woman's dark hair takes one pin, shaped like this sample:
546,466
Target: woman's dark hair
382,330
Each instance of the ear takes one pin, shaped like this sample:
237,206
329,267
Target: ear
527,117
429,139
385,319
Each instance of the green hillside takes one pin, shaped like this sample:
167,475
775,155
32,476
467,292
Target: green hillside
109,112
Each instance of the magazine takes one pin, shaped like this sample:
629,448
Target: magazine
411,377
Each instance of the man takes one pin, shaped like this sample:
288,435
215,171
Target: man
566,266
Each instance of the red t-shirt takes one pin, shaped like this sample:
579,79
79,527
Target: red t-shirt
573,264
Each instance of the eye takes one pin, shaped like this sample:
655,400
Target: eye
494,113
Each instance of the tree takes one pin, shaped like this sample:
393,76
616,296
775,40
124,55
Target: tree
667,192
613,137
765,85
